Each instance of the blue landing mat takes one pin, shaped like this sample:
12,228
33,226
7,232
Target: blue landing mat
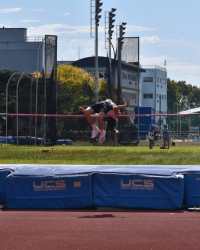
160,170
136,191
4,171
192,190
49,191
35,172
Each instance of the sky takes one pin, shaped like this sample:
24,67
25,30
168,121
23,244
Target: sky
168,30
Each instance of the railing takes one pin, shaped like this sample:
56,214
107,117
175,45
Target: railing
154,67
34,39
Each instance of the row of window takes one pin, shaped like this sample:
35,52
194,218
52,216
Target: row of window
148,96
129,95
161,80
147,79
129,76
164,97
150,79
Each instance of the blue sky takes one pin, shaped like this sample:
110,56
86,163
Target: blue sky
167,29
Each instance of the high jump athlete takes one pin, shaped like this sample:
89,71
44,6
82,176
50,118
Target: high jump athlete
107,107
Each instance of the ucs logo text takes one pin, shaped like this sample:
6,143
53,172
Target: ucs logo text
137,184
49,185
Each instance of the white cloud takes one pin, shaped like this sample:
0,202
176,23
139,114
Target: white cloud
79,42
156,60
29,21
132,28
185,68
149,39
37,10
57,29
2,11
67,13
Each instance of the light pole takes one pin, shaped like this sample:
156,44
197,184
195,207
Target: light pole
18,107
98,4
110,30
36,95
7,106
120,43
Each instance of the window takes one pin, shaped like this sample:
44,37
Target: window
129,95
132,77
163,97
147,79
148,96
125,75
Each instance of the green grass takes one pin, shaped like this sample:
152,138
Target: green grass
100,155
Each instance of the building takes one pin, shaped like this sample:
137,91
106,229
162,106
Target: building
153,84
20,53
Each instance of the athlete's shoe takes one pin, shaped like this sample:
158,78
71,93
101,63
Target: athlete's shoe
95,132
102,136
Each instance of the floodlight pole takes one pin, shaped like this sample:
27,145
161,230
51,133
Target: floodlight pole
17,99
119,71
36,94
7,106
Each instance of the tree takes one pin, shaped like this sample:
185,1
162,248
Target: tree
173,95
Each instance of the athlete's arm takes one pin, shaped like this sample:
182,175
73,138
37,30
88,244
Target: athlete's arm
123,106
81,109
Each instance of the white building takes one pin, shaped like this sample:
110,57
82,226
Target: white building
153,89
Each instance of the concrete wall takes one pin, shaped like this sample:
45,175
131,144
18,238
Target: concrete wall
21,56
13,34
17,54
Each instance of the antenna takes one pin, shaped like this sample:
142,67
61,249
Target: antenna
79,52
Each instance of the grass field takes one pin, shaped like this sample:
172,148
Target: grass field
100,155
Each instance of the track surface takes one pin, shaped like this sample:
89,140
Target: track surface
99,230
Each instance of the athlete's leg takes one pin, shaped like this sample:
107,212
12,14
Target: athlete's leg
95,129
100,120
101,126
87,113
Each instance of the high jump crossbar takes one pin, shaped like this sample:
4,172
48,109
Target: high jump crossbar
62,115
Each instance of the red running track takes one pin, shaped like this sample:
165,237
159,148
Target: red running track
99,230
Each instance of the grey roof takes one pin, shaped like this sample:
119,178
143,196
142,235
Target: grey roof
89,62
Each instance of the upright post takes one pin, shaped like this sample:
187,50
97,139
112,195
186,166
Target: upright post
30,118
96,65
17,99
7,106
138,76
